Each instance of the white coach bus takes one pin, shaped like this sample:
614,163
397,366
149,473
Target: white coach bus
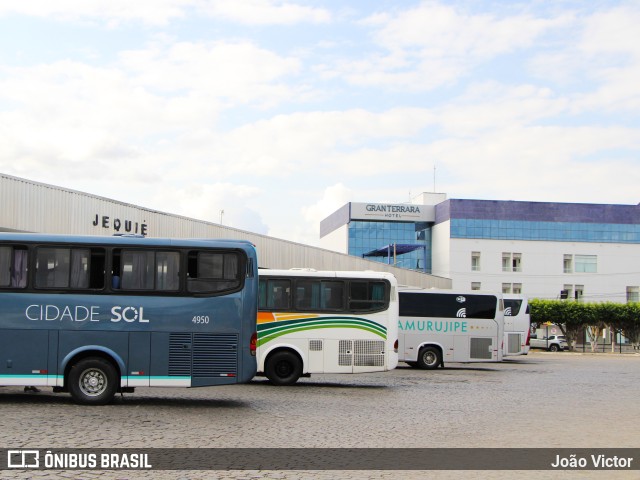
517,325
325,322
438,326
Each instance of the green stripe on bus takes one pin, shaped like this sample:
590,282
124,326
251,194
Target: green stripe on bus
276,326
291,329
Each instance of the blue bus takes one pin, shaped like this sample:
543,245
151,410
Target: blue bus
93,316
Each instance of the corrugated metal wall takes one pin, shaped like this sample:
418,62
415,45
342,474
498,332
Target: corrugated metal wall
35,207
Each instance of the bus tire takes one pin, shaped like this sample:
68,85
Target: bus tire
429,358
283,368
93,381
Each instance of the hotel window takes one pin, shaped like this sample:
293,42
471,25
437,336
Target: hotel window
475,285
517,262
511,262
512,288
568,292
633,294
586,263
579,292
567,264
475,261
506,262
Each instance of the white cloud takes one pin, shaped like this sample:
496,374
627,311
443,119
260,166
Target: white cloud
488,105
599,64
224,203
541,163
111,12
612,31
293,143
440,30
232,72
332,199
114,13
434,44
265,12
150,110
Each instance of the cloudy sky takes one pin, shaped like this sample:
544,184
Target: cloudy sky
279,112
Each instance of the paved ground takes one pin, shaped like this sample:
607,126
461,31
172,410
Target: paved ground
541,400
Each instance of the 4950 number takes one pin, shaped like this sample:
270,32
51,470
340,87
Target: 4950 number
200,319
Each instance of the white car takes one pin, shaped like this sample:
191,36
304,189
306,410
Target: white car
552,343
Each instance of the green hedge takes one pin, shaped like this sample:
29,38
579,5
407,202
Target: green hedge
573,317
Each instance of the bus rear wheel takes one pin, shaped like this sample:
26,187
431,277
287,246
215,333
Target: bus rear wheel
93,381
283,368
429,358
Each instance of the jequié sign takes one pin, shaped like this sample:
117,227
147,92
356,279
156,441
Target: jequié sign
120,225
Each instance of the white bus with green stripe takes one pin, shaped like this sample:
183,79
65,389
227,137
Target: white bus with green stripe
325,322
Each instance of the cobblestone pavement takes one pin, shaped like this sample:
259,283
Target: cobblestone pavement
541,400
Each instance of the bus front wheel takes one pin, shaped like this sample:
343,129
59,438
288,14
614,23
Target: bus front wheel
283,368
93,381
429,358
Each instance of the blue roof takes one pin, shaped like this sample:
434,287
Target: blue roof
537,211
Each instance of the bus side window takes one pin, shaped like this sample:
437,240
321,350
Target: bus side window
277,295
215,272
332,295
367,296
69,268
115,270
13,266
307,294
146,270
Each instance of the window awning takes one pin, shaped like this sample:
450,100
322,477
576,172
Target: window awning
398,248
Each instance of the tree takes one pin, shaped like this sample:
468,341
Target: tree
612,315
573,317
567,315
594,325
631,323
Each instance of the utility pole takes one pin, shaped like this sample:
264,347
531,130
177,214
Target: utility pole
434,178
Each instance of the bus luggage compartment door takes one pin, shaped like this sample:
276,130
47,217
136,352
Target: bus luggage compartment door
24,357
